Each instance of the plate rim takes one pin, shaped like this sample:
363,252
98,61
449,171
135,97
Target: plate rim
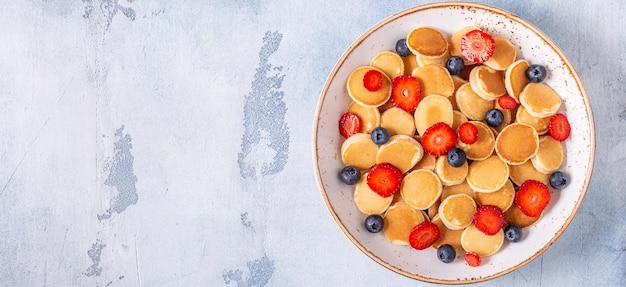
466,5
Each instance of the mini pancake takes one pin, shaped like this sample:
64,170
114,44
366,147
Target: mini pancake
458,119
488,175
514,215
399,220
457,211
550,155
508,118
503,56
474,240
435,80
502,198
446,235
427,162
370,117
367,201
361,95
441,60
526,171
483,147
389,62
359,151
461,188
398,122
540,100
455,42
431,110
448,174
487,83
410,64
471,104
421,188
401,151
515,78
540,124
517,143
432,211
427,42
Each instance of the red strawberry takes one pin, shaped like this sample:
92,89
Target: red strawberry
406,92
373,80
488,219
349,124
472,259
477,46
532,197
384,179
438,139
559,127
507,102
468,133
424,235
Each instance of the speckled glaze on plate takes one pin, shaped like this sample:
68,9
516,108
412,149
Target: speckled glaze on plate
534,46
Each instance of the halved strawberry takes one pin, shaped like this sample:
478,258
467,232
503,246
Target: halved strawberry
488,219
559,127
472,259
424,235
532,197
373,80
349,124
477,46
384,179
406,92
438,139
507,102
468,133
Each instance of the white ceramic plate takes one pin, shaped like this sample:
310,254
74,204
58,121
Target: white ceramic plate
534,46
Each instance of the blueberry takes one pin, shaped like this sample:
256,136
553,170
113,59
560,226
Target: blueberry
456,157
402,49
380,135
374,223
513,233
446,253
536,73
559,180
494,118
455,65
350,175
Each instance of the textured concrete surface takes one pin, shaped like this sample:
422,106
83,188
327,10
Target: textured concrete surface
168,143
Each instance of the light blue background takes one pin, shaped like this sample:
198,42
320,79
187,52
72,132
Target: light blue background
168,143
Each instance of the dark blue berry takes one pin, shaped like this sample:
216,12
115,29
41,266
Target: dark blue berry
380,135
350,175
446,253
536,73
374,223
494,118
513,233
402,49
456,157
559,180
455,65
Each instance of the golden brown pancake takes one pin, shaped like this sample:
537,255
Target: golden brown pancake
361,95
540,100
427,42
457,211
474,240
461,188
401,151
367,201
487,83
389,62
448,174
526,171
514,215
550,155
446,235
399,220
359,151
435,80
471,104
515,78
488,175
540,124
431,110
483,147
502,198
517,143
503,56
397,122
421,188
370,117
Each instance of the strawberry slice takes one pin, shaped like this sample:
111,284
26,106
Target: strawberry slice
468,133
406,92
472,259
559,127
349,124
507,102
438,139
532,197
373,80
384,179
477,46
489,219
424,235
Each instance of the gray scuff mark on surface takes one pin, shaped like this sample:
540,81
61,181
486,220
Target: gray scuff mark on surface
108,8
94,253
265,141
260,271
245,221
121,176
